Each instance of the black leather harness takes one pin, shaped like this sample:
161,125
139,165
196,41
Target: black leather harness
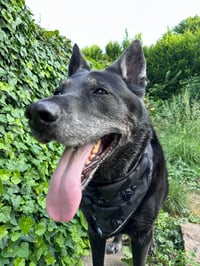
109,206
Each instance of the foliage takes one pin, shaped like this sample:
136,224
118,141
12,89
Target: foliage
32,63
192,85
93,51
177,202
175,57
168,248
171,62
113,50
179,122
191,24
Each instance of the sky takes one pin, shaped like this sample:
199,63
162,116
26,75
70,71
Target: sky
89,22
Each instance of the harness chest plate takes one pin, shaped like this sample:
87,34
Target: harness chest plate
109,206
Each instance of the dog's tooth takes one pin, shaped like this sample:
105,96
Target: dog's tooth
87,162
96,147
92,156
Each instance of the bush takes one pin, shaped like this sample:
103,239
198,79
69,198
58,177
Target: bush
32,63
174,58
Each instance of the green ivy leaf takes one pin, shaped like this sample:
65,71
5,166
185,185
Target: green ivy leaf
16,178
5,212
15,236
22,250
19,262
49,259
6,15
40,228
5,174
3,231
25,224
32,264
1,188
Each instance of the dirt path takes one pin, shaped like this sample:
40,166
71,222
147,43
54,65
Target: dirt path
191,231
110,260
191,238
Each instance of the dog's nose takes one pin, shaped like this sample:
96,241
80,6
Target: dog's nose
44,111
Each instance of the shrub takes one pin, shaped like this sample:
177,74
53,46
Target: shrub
174,58
32,63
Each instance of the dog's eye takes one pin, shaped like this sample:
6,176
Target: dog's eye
100,91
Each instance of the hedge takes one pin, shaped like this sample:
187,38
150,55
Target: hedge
32,63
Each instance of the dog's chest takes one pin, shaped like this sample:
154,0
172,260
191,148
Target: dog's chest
108,207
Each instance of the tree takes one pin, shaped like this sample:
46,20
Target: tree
174,58
93,51
191,24
113,50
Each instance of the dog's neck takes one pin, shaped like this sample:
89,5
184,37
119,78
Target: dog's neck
120,163
108,206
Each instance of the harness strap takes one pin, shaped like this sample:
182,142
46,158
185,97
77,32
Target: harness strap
109,206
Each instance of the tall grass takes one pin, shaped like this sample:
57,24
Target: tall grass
178,124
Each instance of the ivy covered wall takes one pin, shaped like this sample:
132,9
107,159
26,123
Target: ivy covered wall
32,63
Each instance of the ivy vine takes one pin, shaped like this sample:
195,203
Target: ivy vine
32,63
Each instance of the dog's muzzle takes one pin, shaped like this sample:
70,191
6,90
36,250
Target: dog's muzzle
43,118
43,112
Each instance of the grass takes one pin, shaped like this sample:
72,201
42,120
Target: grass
177,202
178,125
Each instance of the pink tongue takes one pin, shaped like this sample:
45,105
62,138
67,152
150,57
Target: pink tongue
65,191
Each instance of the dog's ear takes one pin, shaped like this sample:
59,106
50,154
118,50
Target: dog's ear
77,62
131,65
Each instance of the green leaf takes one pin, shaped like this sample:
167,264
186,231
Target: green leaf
83,221
22,250
19,262
5,212
5,174
32,264
6,15
49,259
16,178
40,228
25,224
15,236
3,231
42,202
1,188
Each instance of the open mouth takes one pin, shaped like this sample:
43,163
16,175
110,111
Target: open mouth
100,151
73,172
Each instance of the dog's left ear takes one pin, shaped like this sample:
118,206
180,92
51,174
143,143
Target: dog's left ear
131,65
77,62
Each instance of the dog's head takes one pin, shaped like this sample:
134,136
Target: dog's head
92,113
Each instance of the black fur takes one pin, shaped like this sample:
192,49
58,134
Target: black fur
92,104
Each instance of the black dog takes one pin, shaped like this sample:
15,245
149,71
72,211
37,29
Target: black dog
113,166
